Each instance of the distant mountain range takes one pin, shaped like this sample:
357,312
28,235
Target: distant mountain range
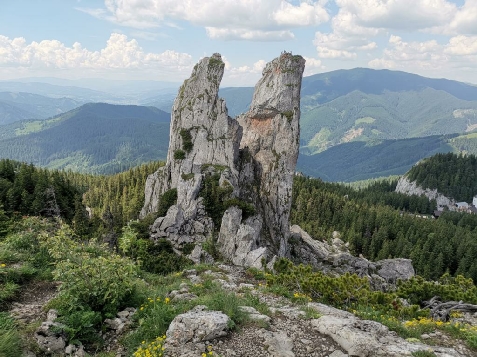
96,137
355,124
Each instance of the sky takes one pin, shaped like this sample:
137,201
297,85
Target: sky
163,39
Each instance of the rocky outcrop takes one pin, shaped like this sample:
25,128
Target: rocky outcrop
336,259
366,338
270,143
250,162
49,336
412,188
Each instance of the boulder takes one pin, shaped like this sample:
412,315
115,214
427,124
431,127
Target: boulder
197,325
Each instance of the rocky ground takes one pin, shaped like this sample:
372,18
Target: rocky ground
293,330
287,330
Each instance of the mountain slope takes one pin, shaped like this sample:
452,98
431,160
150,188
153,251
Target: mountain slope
100,138
10,113
358,161
325,87
357,116
36,106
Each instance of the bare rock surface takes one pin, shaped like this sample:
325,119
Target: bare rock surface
271,137
197,325
412,188
335,258
254,158
365,338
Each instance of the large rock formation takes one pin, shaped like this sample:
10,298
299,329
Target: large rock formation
237,173
335,258
412,188
271,137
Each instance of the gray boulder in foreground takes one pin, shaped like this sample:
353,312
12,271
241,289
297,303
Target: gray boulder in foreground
197,325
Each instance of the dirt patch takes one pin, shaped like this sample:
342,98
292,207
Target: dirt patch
31,300
351,134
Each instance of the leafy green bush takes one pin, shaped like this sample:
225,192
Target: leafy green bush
7,291
92,277
81,326
423,353
10,341
160,258
157,258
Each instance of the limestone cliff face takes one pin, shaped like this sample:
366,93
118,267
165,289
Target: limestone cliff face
271,136
411,188
253,157
201,133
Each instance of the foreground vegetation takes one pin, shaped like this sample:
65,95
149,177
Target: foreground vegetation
106,262
97,283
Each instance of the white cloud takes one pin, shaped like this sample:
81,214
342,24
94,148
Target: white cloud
380,63
119,53
336,45
147,35
465,20
306,14
397,14
424,55
462,46
312,66
459,53
224,19
249,35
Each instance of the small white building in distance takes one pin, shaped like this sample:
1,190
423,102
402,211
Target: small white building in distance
474,201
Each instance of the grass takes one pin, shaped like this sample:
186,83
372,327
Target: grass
423,353
10,341
156,311
365,120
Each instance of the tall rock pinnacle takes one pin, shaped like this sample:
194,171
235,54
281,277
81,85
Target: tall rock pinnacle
233,177
271,135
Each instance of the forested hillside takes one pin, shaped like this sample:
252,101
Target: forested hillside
373,223
27,190
119,196
389,115
452,175
359,160
16,106
95,138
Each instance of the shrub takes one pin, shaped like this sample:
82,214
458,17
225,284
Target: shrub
92,277
342,291
179,154
448,288
215,196
187,143
423,353
81,326
99,283
7,291
167,199
160,258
